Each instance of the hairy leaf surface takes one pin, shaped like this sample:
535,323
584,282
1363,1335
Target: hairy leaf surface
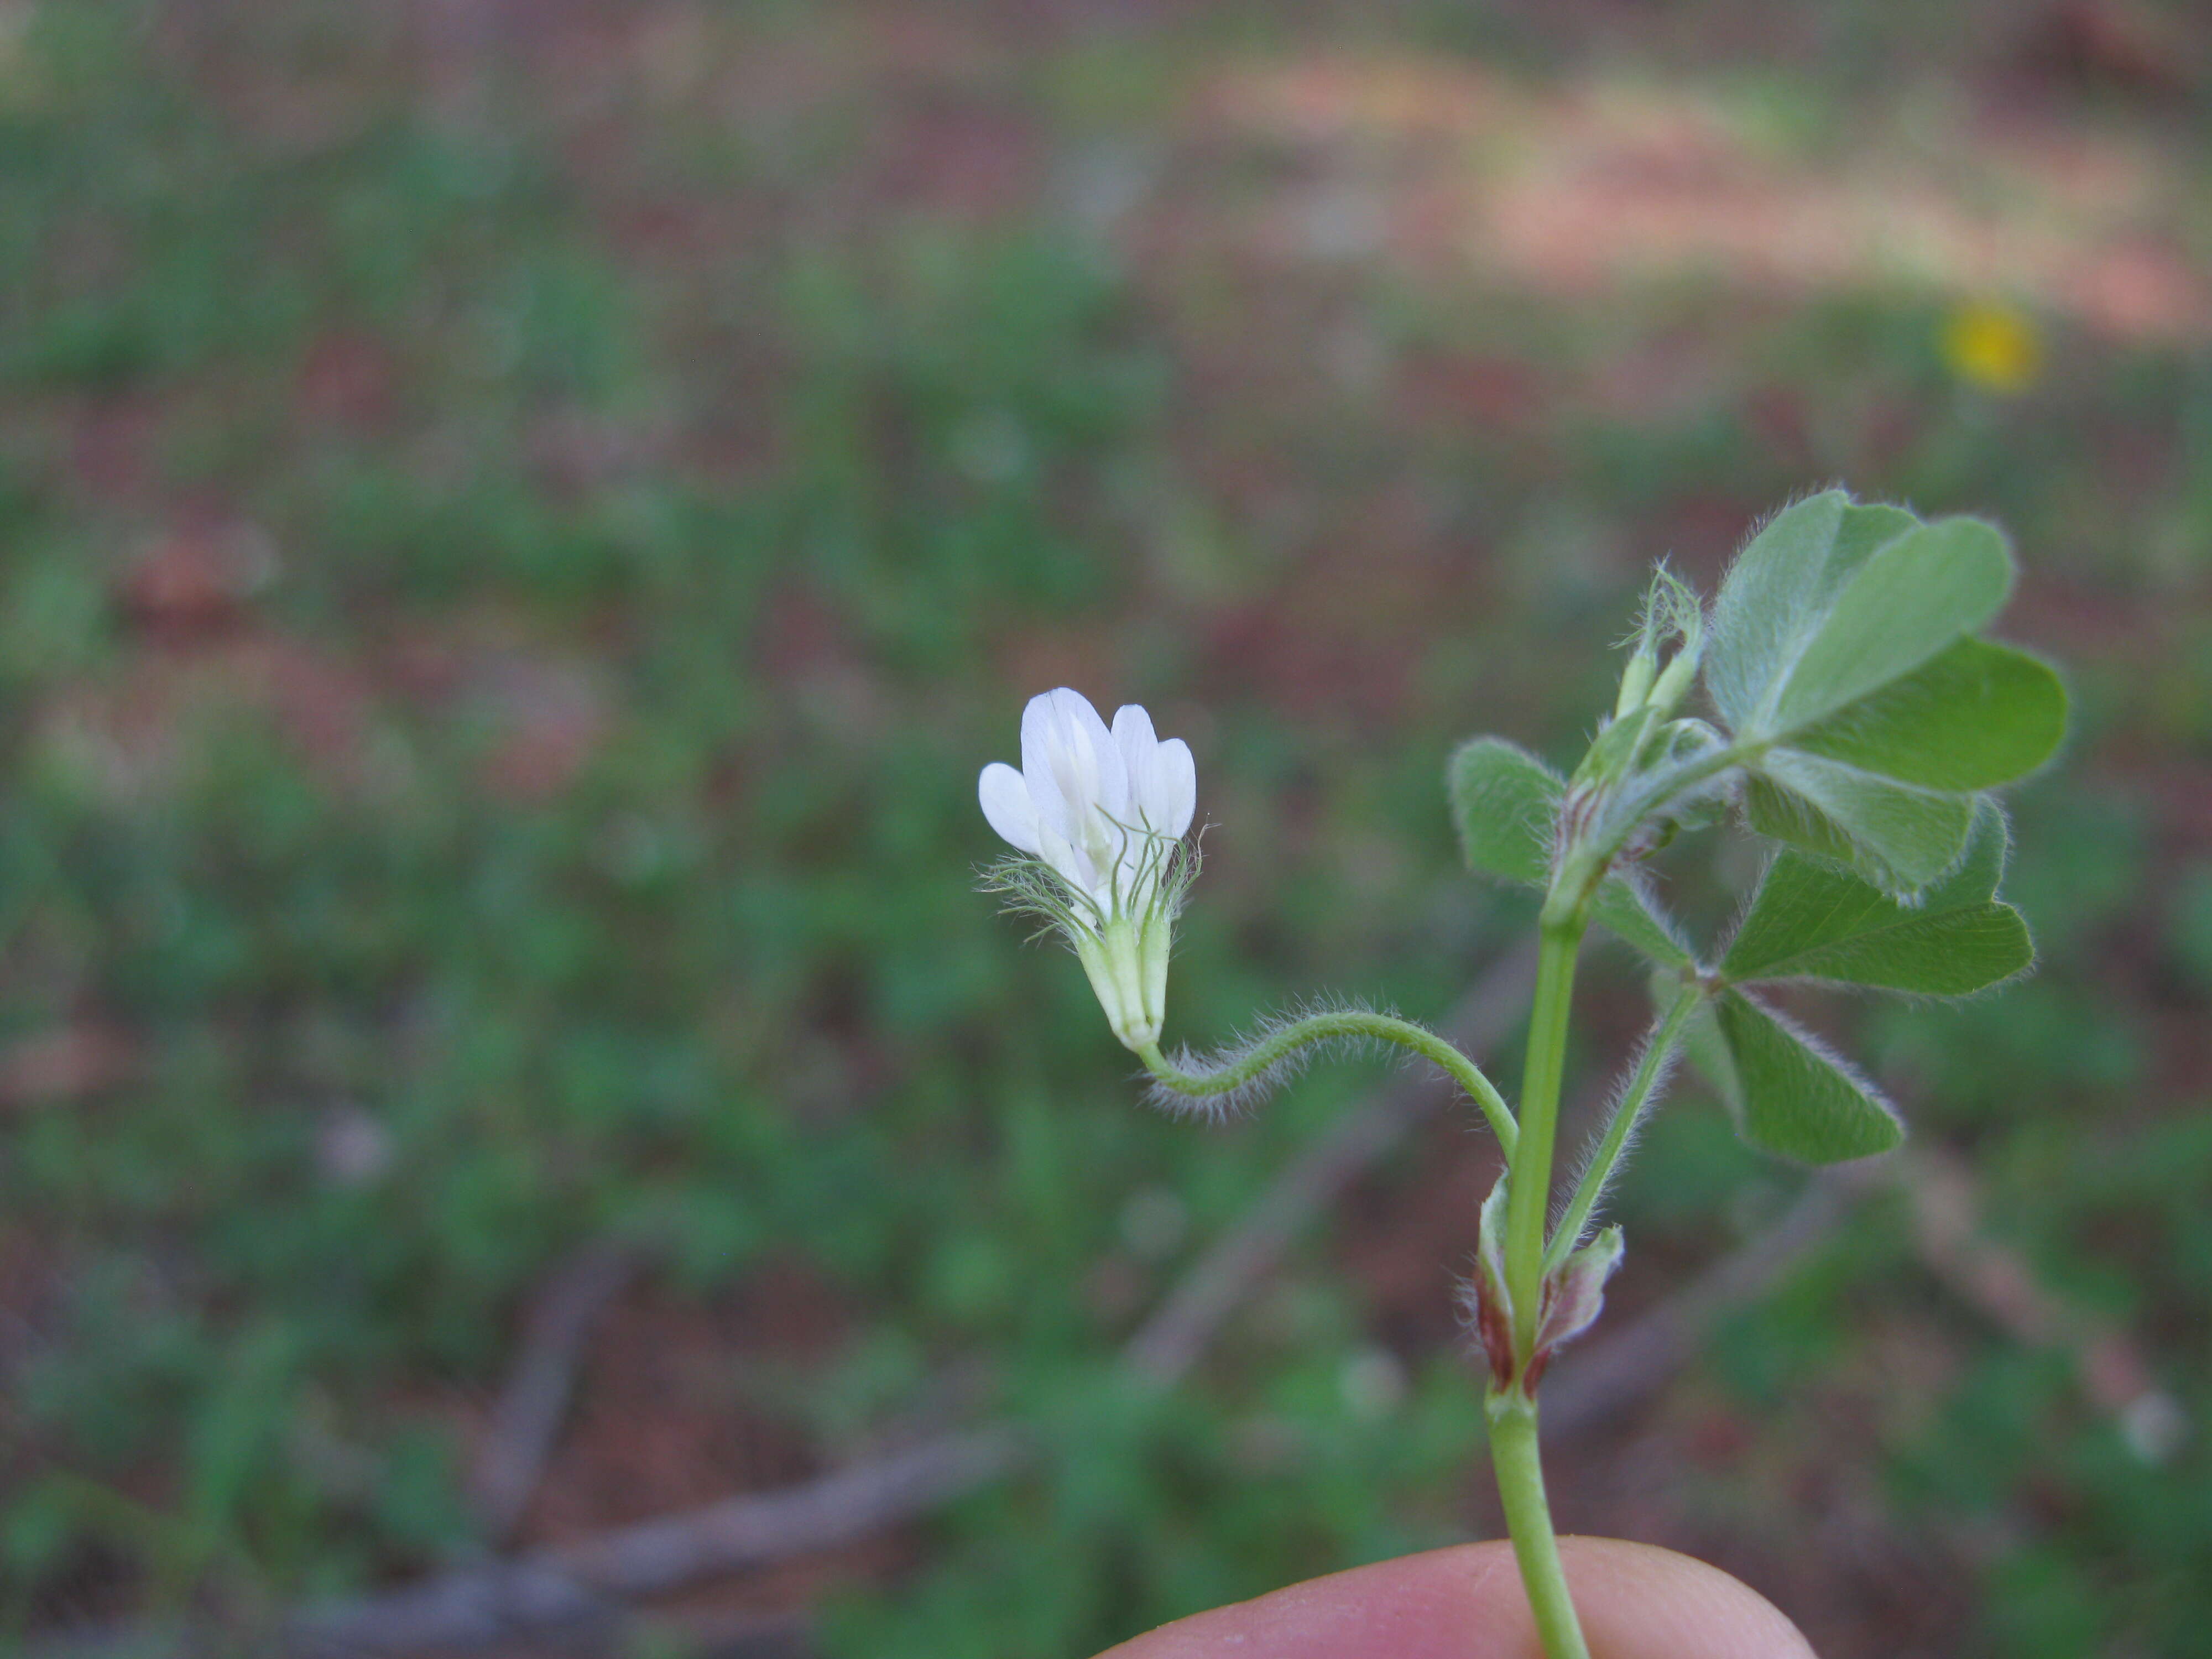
1811,918
1788,1093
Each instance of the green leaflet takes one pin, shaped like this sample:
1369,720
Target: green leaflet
1812,919
1900,838
1503,803
1625,909
1911,598
1831,601
1789,571
1973,716
1787,1093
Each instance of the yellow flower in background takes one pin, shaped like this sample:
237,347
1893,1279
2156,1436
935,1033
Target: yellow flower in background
1993,346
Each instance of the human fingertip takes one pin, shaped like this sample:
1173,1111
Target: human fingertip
1465,1602
1638,1602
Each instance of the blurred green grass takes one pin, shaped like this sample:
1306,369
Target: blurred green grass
519,533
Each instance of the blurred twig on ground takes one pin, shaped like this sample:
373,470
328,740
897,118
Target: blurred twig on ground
527,1418
2002,1285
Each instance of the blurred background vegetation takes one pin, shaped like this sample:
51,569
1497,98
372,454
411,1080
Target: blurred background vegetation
521,521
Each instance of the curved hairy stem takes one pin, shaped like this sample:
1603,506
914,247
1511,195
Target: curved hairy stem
1252,1064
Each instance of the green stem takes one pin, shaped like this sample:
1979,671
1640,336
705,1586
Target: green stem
1577,875
1355,1023
1633,1100
1528,1185
1513,1453
1527,1191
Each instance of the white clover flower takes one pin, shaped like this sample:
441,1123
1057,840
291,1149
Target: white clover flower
1093,804
1105,813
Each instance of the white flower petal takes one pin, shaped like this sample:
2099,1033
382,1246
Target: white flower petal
1074,867
1076,777
1060,759
1008,805
1103,809
1139,750
1111,790
1039,742
1177,801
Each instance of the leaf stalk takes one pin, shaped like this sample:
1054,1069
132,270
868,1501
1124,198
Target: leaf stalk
1620,1128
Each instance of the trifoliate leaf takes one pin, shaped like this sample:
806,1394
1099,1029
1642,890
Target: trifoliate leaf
1787,1092
1811,918
1842,660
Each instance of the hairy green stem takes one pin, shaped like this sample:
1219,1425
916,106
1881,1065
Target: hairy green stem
1584,865
1529,1181
1513,1453
1355,1023
1633,1101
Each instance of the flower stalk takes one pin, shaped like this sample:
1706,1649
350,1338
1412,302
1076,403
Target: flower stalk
1179,1080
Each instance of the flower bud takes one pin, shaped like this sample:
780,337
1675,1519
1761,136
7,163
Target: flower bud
1635,683
1675,683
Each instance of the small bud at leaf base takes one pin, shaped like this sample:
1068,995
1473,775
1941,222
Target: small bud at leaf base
1574,1295
1487,1298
